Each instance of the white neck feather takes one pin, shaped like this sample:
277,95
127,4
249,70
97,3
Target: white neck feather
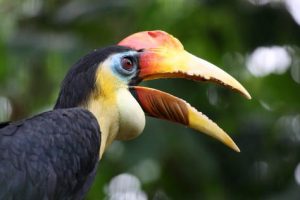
121,119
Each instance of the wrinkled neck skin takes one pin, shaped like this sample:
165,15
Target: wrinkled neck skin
118,113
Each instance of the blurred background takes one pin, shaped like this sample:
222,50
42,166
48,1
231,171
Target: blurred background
256,41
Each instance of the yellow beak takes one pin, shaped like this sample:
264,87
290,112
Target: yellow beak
163,56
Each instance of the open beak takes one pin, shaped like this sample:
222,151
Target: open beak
163,56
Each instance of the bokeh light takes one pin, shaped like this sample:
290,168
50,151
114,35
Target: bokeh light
293,7
147,170
5,109
125,187
266,60
297,174
262,2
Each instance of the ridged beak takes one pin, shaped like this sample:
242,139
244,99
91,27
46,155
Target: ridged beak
163,56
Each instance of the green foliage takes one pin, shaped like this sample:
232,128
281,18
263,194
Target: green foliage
40,40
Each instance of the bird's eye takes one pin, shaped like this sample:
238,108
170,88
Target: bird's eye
127,64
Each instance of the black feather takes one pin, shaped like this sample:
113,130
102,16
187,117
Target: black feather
3,124
51,156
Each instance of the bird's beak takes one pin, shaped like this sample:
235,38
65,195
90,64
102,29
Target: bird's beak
163,56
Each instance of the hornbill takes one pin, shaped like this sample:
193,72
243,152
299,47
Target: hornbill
54,155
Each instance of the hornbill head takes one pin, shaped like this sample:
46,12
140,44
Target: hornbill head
105,82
